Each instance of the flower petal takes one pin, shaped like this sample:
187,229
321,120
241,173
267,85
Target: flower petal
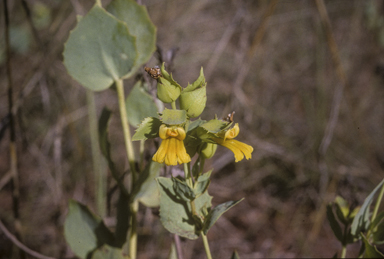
163,131
161,152
232,133
171,157
238,148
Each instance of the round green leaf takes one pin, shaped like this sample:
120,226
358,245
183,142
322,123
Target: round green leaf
99,50
139,24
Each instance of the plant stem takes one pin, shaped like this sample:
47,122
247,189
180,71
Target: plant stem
133,230
99,176
343,251
126,130
206,246
131,159
173,104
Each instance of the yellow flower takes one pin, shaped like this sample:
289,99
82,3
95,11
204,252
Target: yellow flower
238,148
171,150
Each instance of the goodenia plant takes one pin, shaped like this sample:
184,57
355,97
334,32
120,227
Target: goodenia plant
111,44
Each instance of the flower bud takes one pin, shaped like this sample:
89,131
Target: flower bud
194,98
167,92
207,150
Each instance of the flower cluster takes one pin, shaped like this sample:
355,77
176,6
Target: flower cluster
181,137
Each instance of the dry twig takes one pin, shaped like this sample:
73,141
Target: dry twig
21,245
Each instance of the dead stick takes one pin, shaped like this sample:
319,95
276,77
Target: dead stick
21,245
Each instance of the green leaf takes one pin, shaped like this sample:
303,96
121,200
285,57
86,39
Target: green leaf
176,214
183,190
194,124
361,220
149,128
378,226
370,250
140,105
235,255
174,117
202,183
108,252
146,190
334,224
99,50
378,220
139,24
215,125
216,213
84,231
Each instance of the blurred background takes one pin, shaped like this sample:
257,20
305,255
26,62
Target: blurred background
306,85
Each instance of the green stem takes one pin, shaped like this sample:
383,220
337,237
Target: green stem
126,130
98,2
343,251
99,176
133,231
131,160
206,246
173,104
